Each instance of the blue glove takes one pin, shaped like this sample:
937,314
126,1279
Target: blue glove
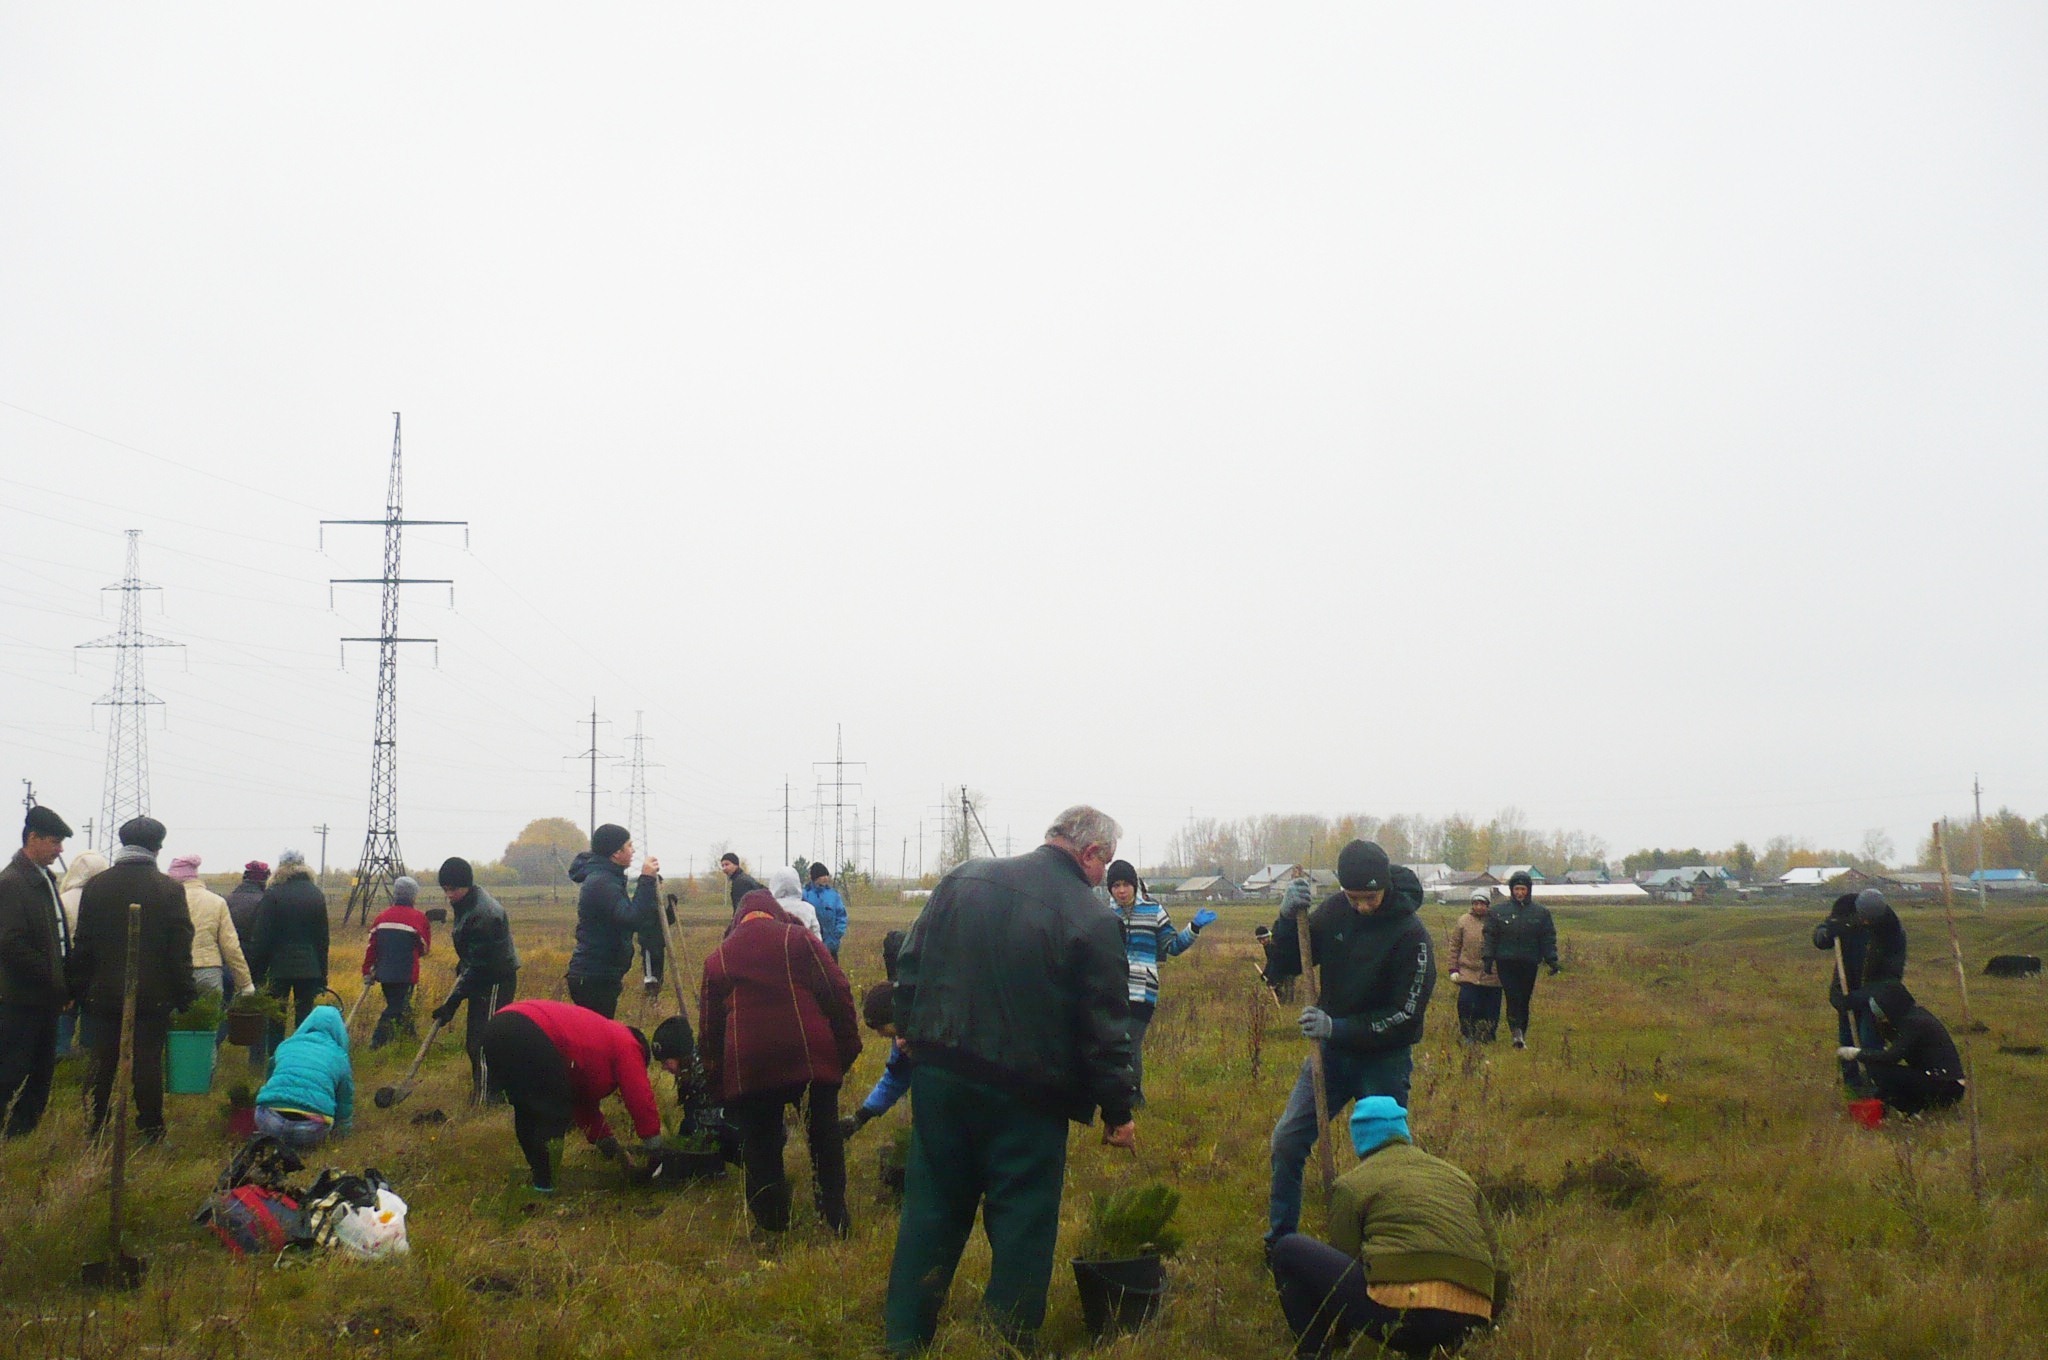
1299,896
1204,917
1315,1023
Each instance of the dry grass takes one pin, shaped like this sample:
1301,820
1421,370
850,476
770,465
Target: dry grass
1678,1177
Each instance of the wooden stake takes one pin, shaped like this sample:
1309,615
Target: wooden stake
1955,945
1325,1158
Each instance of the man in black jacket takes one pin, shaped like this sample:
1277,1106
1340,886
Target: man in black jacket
242,902
1520,934
486,965
1011,989
289,948
1917,1068
97,971
607,920
737,880
34,940
1378,971
1847,938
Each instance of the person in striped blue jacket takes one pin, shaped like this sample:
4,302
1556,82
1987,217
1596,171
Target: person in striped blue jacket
1149,936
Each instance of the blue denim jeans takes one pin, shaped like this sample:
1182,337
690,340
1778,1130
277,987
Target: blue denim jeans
1346,1077
296,1134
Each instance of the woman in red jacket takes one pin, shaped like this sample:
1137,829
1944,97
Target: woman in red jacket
777,1028
555,1062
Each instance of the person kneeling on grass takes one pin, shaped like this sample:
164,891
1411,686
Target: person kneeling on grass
311,1091
555,1061
878,1012
1412,1260
1918,1067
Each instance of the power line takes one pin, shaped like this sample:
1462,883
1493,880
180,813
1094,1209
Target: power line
126,790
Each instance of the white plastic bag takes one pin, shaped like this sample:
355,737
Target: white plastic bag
372,1234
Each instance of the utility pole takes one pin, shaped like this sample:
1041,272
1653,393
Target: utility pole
28,799
920,847
593,755
967,811
382,861
321,832
785,821
1977,792
874,844
126,791
839,786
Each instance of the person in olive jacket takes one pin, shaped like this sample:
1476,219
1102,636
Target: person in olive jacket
607,919
486,963
97,971
1519,936
1012,990
34,939
1378,971
289,948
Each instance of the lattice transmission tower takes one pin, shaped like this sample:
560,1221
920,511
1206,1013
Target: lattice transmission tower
129,701
636,786
382,861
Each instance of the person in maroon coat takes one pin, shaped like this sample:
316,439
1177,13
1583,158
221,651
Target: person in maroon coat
777,1028
556,1062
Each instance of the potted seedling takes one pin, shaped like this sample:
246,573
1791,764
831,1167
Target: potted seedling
1121,1269
893,1163
189,1070
240,1110
250,1014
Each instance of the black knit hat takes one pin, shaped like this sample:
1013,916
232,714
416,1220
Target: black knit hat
878,1006
43,822
1363,867
456,873
144,832
673,1039
1120,871
609,839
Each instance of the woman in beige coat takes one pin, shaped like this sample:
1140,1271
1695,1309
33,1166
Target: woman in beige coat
217,956
1478,985
83,866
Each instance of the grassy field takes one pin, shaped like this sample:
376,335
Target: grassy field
1677,1175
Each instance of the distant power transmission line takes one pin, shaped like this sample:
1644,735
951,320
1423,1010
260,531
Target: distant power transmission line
126,790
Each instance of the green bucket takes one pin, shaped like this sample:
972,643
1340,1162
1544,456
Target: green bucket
189,1070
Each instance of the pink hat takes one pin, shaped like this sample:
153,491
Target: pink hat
185,868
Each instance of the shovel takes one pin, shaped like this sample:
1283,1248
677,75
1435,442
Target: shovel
120,1270
387,1096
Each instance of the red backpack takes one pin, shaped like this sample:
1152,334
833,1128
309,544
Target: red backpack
252,1218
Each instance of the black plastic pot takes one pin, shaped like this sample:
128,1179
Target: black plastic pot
1120,1295
675,1168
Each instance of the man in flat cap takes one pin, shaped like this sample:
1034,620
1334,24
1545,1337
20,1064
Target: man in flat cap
34,940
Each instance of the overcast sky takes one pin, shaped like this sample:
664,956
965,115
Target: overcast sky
1632,417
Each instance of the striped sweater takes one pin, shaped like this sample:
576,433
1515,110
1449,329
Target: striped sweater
1149,936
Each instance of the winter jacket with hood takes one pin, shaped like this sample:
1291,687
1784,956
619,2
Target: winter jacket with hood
31,935
1467,950
84,866
603,1057
1884,957
1014,976
830,909
310,1072
1842,925
607,920
1913,1037
399,938
1378,968
739,885
242,902
97,969
484,952
784,886
1520,930
1411,1217
214,941
290,943
775,1012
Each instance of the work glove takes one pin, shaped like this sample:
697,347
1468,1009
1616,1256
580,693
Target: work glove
249,990
854,1123
366,975
1299,896
1556,968
1848,1053
1204,917
671,909
608,1148
1454,975
445,1012
1316,1023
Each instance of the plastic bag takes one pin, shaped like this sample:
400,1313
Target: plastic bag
371,1234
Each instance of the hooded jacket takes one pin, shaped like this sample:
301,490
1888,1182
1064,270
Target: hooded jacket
1843,926
214,941
84,866
603,1057
1411,1217
1378,968
783,885
242,902
1884,956
97,969
1521,931
290,943
399,938
31,937
310,1071
1013,975
484,952
1467,950
775,1012
830,909
607,920
1913,1037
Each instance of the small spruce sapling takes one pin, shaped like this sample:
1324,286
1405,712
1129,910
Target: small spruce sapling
1135,1221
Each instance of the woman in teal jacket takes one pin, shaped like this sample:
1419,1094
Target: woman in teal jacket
311,1090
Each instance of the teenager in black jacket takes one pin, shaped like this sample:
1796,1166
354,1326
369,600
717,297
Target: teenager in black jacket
1520,935
1917,1067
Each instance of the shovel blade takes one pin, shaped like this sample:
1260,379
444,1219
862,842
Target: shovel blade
386,1097
121,1272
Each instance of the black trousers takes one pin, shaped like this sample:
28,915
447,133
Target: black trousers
1910,1092
1479,1012
28,1060
397,1013
302,992
483,1006
759,1120
533,1074
596,994
152,1026
1518,980
1322,1292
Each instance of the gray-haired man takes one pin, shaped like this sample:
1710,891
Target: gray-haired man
1011,989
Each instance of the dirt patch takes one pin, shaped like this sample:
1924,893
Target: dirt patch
1617,1179
1513,1191
377,1325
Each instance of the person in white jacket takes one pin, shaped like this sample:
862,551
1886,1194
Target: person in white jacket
788,891
217,958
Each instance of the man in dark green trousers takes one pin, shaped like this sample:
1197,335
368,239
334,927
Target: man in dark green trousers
1012,991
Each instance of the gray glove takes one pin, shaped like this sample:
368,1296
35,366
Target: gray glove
1316,1023
1299,896
1848,1053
